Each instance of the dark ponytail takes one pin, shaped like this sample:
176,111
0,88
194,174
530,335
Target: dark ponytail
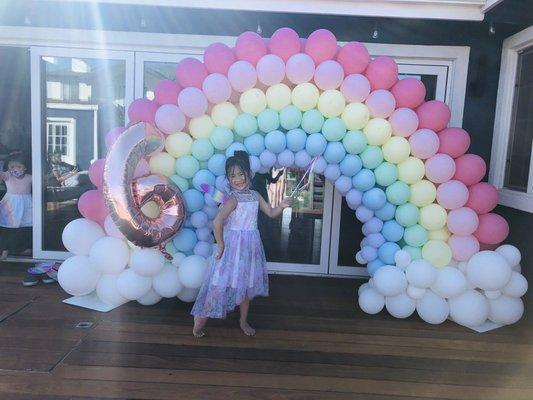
239,159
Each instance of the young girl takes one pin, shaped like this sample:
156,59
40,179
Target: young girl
238,272
15,207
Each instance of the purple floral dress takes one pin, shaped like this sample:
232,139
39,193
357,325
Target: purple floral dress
242,268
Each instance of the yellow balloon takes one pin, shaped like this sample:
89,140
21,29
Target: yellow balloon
201,127
437,253
162,163
423,193
305,96
440,234
411,170
378,131
355,116
178,144
432,217
331,103
278,96
224,114
151,209
396,149
253,101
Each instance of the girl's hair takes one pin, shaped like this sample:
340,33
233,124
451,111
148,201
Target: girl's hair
239,159
16,156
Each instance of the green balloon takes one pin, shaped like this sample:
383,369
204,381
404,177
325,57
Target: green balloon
415,235
398,193
415,252
334,129
187,166
268,120
202,149
407,214
312,121
245,125
221,138
290,117
354,142
182,183
371,157
386,174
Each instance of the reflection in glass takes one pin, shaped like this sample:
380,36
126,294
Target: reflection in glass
82,100
154,72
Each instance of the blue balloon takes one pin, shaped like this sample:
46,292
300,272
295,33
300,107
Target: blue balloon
302,159
364,180
374,225
332,172
375,239
363,213
312,121
275,141
203,176
334,153
194,200
296,139
387,251
290,117
369,253
268,120
217,164
245,125
351,165
373,266
354,198
374,198
230,151
316,144
343,184
387,212
185,240
255,144
392,231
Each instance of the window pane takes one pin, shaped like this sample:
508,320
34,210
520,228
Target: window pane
154,72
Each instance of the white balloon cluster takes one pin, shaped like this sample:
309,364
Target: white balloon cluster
119,271
488,286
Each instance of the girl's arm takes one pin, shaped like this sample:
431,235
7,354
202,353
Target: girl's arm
276,211
218,224
4,176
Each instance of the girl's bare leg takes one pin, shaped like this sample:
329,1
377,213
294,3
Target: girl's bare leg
246,328
198,329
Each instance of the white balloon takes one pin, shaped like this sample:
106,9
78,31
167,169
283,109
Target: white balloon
167,282
109,255
488,270
192,271
371,282
79,236
188,295
517,286
400,306
421,274
133,286
371,301
107,290
469,309
510,253
178,258
415,292
462,266
505,310
147,262
450,282
517,268
432,308
359,258
150,298
77,277
390,280
402,259
362,288
492,294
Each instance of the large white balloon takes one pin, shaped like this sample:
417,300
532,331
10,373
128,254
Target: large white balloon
400,306
150,298
147,262
188,295
133,286
177,258
415,292
390,280
450,282
470,309
192,271
77,277
510,253
432,308
517,286
371,301
505,310
167,282
79,236
402,259
109,255
488,270
107,290
362,288
421,274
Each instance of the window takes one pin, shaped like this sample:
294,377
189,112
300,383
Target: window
61,136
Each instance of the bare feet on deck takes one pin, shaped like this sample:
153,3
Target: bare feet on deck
247,329
199,324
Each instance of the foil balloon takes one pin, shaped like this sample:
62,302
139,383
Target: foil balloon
125,196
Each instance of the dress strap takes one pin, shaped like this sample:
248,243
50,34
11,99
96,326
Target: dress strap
244,195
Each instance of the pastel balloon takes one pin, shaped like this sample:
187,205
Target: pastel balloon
112,136
423,193
483,197
462,221
290,117
331,103
355,88
409,92
354,142
253,101
96,172
404,122
284,43
169,118
321,45
191,72
305,96
440,168
334,129
242,76
218,57
454,142
217,88
463,247
250,47
471,169
411,170
424,143
398,193
192,102
380,103
166,91
328,75
278,96
378,131
432,217
142,110
300,68
396,149
92,206
355,116
433,115
382,72
221,138
270,69
437,253
452,195
492,229
353,57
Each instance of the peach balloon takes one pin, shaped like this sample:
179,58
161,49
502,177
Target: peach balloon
483,197
440,168
492,229
382,72
454,142
409,92
471,169
433,115
353,57
404,122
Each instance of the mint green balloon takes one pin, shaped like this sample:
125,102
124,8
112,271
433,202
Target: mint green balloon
386,174
170,248
268,120
182,183
371,157
398,193
221,138
334,129
354,142
407,214
202,149
414,252
290,117
312,121
187,166
245,125
415,236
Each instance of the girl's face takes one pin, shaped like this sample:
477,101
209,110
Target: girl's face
237,178
16,168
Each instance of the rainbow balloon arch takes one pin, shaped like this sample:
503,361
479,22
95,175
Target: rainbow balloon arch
431,242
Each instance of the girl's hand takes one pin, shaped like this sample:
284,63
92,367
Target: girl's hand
220,251
286,202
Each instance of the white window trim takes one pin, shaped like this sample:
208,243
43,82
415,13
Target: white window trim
502,123
71,137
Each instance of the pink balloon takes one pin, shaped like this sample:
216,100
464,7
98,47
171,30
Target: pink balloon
409,92
353,57
382,72
169,119
250,47
284,43
424,143
404,122
492,229
433,115
380,103
242,76
191,72
113,135
142,168
111,229
300,68
192,102
92,206
355,88
483,197
217,88
440,168
462,221
142,110
218,57
452,195
329,75
96,172
470,169
454,142
321,45
270,69
166,91
463,247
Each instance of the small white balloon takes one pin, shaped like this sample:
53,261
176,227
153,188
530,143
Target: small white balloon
400,306
192,271
450,282
362,288
147,262
77,277
415,292
167,282
133,286
150,298
188,295
470,309
517,286
107,290
492,294
488,270
359,258
510,253
390,280
109,255
80,235
421,274
371,282
371,301
432,308
517,268
402,259
178,258
505,310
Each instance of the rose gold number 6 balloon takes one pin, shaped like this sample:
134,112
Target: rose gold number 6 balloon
125,195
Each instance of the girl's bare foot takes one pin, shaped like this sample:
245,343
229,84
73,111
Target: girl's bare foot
198,329
4,254
247,329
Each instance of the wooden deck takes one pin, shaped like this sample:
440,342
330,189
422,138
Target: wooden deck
312,343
